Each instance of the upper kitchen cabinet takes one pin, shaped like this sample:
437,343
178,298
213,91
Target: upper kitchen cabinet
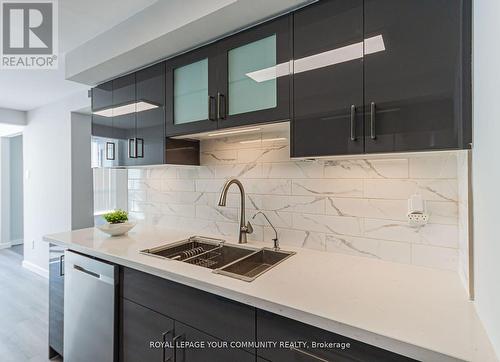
150,112
381,76
128,121
102,126
102,96
242,79
254,75
417,75
328,79
124,118
191,92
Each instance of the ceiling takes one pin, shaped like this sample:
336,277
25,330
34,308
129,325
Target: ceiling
79,21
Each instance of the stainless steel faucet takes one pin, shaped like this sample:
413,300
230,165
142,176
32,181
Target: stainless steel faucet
245,228
275,240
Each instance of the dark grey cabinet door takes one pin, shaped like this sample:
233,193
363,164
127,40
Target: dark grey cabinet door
56,300
414,75
253,75
191,306
191,92
150,127
102,96
102,124
190,336
102,99
328,79
124,125
141,327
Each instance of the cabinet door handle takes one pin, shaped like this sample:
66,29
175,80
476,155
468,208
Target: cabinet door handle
110,151
301,351
139,146
176,338
61,265
353,122
164,340
221,102
132,148
372,121
210,117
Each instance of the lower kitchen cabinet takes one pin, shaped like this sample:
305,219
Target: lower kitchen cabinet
272,327
157,310
150,336
56,300
140,327
192,353
217,316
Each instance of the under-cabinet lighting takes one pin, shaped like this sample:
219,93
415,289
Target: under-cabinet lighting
236,131
264,140
126,109
343,54
274,139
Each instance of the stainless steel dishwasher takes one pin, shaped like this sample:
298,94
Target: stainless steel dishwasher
89,309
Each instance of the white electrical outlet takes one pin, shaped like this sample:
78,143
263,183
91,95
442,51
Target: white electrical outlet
417,215
418,219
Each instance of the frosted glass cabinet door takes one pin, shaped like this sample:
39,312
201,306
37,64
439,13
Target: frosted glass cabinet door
254,75
191,92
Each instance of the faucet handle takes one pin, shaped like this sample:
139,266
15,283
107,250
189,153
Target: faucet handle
249,228
276,243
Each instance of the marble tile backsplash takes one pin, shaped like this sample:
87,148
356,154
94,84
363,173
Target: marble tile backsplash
355,206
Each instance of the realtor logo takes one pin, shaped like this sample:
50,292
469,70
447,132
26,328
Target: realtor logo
29,34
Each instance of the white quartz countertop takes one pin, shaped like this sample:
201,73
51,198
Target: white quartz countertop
419,312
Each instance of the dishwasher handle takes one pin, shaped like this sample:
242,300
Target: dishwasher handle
89,268
93,274
83,270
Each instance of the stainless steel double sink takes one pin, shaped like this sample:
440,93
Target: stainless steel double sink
240,262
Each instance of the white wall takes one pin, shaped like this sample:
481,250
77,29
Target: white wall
486,170
47,176
82,209
4,192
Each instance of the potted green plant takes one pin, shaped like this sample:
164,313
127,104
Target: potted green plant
117,223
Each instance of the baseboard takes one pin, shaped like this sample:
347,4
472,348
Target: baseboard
17,242
5,245
35,269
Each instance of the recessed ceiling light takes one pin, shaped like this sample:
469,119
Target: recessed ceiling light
126,109
236,131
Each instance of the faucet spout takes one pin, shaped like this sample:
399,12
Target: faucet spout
245,228
275,240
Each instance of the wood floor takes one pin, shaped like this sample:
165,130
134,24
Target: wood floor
23,311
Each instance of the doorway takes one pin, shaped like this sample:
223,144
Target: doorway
12,192
16,193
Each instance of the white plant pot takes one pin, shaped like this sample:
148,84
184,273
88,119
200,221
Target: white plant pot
116,229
